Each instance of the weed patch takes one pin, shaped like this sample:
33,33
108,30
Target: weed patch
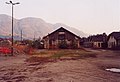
61,54
73,54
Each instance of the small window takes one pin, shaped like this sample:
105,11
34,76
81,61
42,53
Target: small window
61,32
61,37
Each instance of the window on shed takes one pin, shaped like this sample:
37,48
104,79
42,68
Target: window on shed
61,37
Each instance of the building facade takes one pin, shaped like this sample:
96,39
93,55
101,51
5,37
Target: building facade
114,40
61,39
95,41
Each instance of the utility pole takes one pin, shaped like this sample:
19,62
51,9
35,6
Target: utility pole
34,36
10,2
21,35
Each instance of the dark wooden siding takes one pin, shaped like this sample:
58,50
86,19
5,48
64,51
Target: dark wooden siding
61,35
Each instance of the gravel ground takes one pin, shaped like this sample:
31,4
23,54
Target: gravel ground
17,69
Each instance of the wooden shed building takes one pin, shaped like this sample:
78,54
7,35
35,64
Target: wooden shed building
61,39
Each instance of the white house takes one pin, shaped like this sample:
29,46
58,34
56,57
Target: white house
114,40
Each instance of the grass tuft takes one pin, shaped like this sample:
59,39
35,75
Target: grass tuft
53,55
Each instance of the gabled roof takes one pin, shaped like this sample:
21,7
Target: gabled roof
116,35
98,38
61,28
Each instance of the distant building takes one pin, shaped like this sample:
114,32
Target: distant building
61,38
114,40
5,42
84,42
96,41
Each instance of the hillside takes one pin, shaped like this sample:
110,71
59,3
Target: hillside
31,26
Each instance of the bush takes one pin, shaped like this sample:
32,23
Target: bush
37,44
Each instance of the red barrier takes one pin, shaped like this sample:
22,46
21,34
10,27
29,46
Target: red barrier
5,50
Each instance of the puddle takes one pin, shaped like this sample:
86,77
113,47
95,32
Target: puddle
116,70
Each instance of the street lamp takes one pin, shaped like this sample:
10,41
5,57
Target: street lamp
10,2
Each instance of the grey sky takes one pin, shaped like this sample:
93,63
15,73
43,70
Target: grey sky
90,16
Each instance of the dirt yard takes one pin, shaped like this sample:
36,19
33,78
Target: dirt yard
72,67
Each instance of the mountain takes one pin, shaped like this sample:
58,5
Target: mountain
31,27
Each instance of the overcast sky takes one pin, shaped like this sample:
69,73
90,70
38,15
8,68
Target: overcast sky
89,16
